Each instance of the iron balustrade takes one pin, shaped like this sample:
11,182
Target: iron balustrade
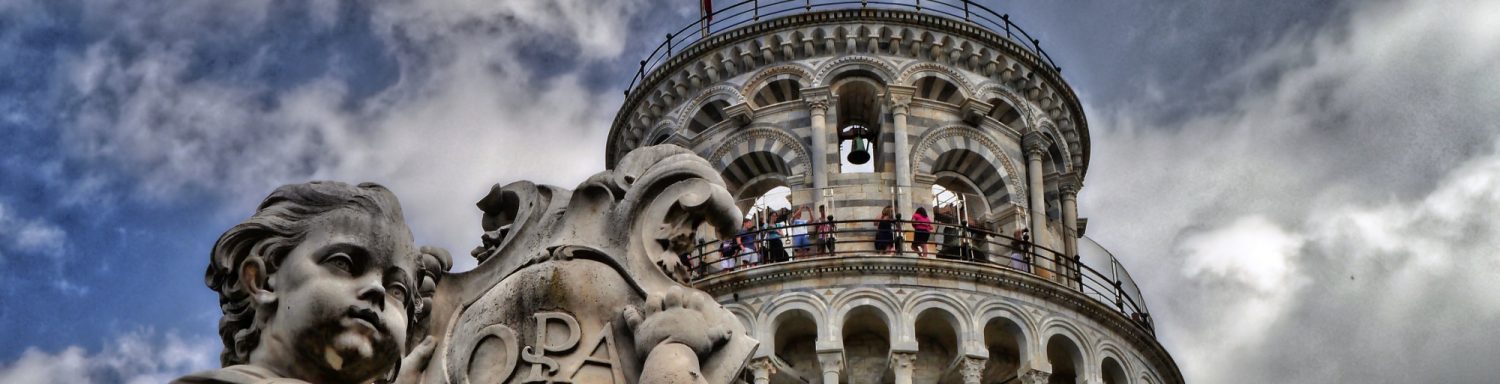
752,11
959,243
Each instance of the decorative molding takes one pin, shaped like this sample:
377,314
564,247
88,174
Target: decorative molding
916,68
882,68
730,146
802,73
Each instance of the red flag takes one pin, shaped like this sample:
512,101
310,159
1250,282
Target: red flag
708,10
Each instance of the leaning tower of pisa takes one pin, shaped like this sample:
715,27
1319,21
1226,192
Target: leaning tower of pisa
853,108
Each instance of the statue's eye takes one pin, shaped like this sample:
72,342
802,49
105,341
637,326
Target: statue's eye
341,262
397,292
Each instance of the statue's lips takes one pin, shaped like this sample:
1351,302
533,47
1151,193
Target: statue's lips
366,317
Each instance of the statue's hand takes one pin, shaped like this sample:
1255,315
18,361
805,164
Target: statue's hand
675,316
415,363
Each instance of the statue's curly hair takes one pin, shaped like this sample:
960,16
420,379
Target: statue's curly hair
278,225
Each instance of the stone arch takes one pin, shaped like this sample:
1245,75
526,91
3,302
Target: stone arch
721,92
775,312
994,90
1061,339
745,315
796,71
1106,351
1011,325
832,68
1050,132
920,69
881,301
923,301
662,133
775,141
933,144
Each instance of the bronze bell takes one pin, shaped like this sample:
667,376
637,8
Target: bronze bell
859,146
859,150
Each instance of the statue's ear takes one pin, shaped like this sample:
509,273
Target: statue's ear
255,282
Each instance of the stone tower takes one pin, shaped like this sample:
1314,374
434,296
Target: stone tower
960,113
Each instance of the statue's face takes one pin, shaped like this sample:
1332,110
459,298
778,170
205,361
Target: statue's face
341,297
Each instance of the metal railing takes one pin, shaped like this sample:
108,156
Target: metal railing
751,11
776,244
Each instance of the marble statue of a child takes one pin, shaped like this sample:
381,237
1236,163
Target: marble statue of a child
323,284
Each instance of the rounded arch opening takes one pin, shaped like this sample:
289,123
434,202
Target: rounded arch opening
858,113
866,335
777,92
710,114
965,171
1066,359
1113,372
936,88
794,338
1006,344
937,342
1005,112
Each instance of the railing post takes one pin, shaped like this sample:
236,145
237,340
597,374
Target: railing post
808,7
919,6
1006,19
669,44
756,11
966,10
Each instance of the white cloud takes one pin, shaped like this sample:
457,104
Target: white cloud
466,112
1335,222
137,357
31,236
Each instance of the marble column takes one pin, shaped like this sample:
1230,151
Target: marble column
902,364
761,369
817,105
1069,190
832,363
973,370
1033,376
900,101
1035,148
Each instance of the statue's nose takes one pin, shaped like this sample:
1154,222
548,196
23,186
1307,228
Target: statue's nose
373,292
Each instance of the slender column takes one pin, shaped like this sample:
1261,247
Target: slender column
902,364
832,363
1034,150
900,100
973,370
1033,376
818,106
1069,189
761,369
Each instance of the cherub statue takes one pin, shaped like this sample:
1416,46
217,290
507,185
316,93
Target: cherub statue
323,284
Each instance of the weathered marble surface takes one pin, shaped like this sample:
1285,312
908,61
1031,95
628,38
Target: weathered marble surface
577,286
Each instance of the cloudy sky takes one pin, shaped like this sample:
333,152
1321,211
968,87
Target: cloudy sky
1307,191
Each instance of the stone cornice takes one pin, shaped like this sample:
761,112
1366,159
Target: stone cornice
956,271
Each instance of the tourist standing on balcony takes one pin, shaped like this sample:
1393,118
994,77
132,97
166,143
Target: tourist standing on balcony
885,232
923,228
746,239
1020,249
826,239
775,249
801,243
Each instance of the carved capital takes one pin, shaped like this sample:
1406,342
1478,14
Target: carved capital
1033,376
900,97
903,361
831,361
817,106
1068,185
1034,142
972,370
